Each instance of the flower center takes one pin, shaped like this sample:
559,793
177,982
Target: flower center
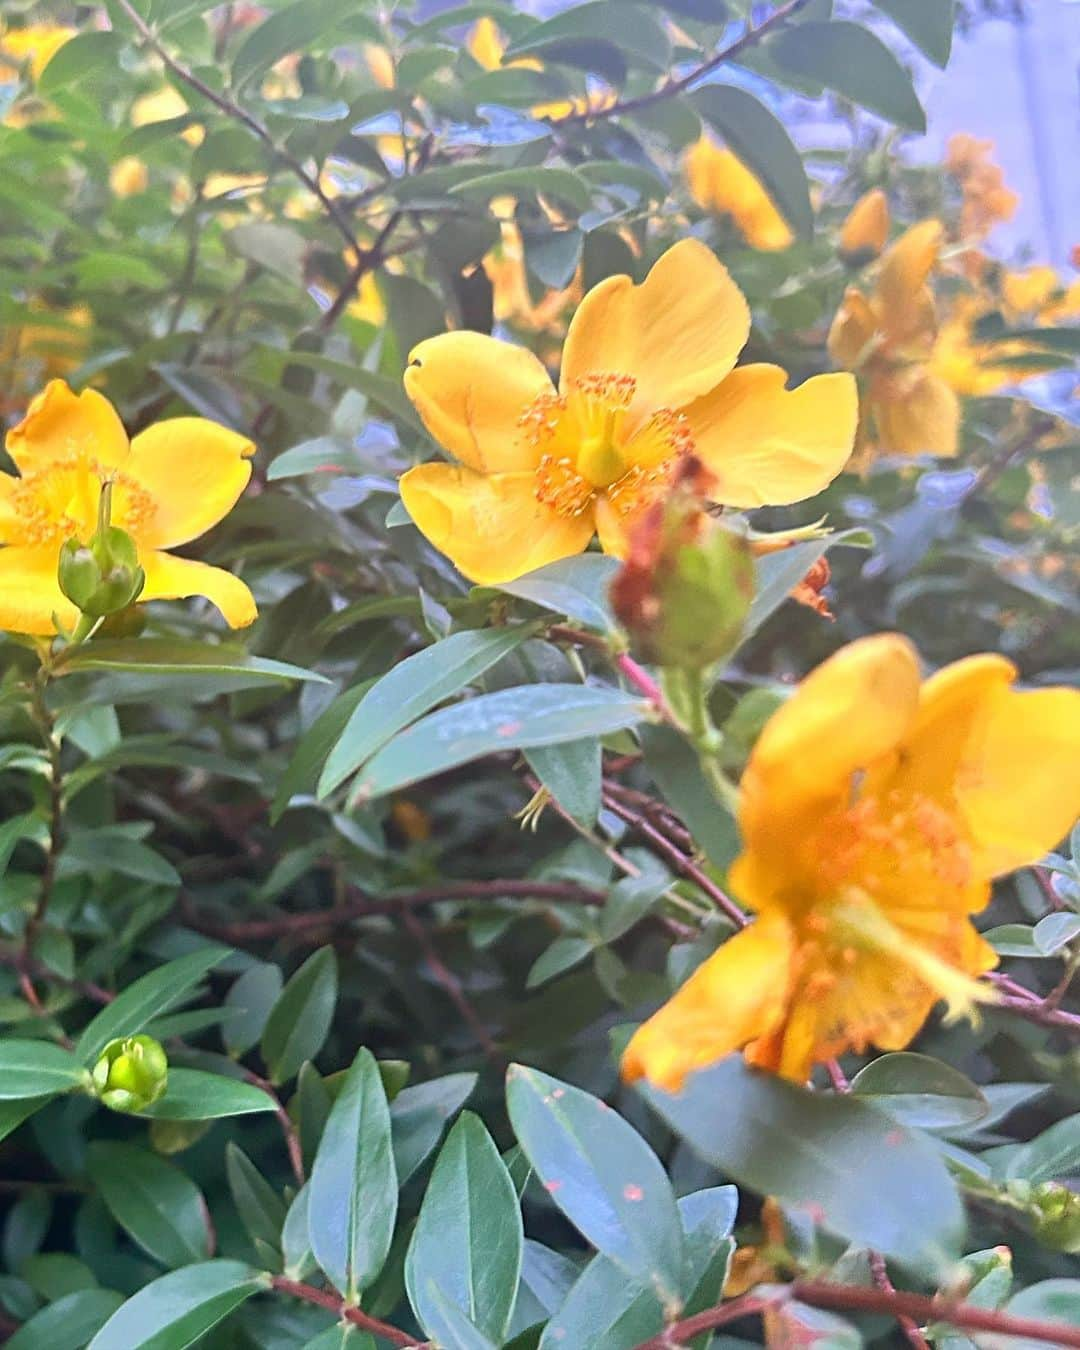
60,502
903,849
592,445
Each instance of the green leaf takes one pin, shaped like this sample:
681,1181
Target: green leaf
288,30
155,1203
353,1201
262,1210
921,1091
512,719
928,23
300,1019
578,36
302,772
1047,1301
1015,939
36,1069
1055,931
105,850
852,61
194,1095
15,830
177,656
562,955
418,1116
759,139
602,1175
676,766
576,587
550,182
251,1000
149,997
14,1111
387,394
468,1238
572,774
604,1308
824,1154
1064,340
68,1323
172,1312
412,688
1054,1153
83,56
295,1241
629,900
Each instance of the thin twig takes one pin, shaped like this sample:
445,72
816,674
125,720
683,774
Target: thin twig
363,906
910,1328
241,115
671,86
1014,998
288,1129
333,1302
452,986
671,853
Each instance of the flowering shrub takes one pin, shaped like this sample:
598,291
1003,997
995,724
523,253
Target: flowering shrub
614,885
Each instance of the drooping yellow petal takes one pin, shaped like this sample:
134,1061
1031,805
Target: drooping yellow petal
60,424
906,267
916,414
171,578
492,527
194,471
737,995
30,594
866,228
719,181
677,334
766,444
847,716
853,330
485,43
470,390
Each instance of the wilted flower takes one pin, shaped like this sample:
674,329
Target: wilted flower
874,812
647,378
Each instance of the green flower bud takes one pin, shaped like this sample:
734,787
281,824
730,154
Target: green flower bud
1056,1212
79,574
131,1073
684,592
105,575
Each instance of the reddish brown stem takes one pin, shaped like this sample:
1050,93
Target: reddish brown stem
288,1129
450,983
333,1302
878,1270
917,1308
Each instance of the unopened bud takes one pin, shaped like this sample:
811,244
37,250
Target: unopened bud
1056,1212
685,589
131,1073
864,233
103,576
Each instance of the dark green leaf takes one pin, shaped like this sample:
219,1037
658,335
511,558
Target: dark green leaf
159,1206
149,997
354,1183
412,688
759,139
601,1174
572,774
302,772
467,1242
176,656
261,1209
36,1069
418,1116
251,999
172,1312
512,719
928,23
195,1095
576,587
563,184
300,1019
921,1091
854,62
68,1323
822,1154
84,56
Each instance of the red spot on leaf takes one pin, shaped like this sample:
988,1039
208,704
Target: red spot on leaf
552,1186
894,1138
632,1192
508,729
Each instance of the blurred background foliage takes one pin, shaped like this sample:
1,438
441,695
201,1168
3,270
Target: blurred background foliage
253,213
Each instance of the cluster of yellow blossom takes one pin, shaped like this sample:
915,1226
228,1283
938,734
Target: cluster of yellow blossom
986,199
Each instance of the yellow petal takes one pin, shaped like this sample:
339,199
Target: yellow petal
470,390
194,471
737,995
7,513
719,181
30,593
768,445
677,334
852,330
60,424
906,267
491,527
864,232
171,578
916,414
846,718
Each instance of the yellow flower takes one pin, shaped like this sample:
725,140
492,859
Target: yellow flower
28,50
986,199
50,344
128,176
171,483
865,231
721,183
486,45
647,378
1039,292
164,105
967,365
512,300
888,337
874,811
